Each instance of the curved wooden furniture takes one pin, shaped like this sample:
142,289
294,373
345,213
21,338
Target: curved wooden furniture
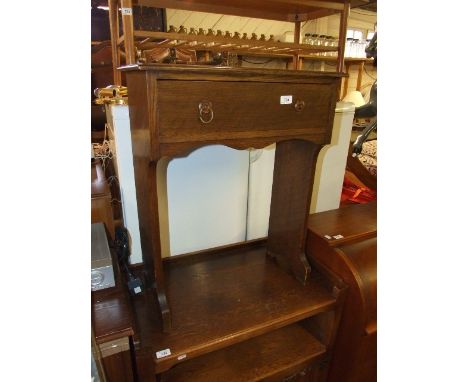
354,259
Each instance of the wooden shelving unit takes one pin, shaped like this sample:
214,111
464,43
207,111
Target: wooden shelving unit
294,11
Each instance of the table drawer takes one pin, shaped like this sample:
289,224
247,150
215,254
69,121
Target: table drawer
212,110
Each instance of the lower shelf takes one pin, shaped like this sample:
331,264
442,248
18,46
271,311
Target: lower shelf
272,356
221,299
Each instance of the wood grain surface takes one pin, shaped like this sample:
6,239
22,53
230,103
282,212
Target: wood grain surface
223,300
276,354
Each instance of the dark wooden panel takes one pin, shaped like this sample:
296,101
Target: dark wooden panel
362,258
217,73
271,357
112,318
244,108
223,300
291,191
142,108
118,367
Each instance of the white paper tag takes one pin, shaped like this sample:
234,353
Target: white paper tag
163,353
137,289
338,237
327,237
126,11
286,100
180,357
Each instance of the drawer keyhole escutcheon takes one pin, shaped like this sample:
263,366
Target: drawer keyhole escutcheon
299,105
205,109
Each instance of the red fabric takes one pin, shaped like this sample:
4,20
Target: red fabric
353,192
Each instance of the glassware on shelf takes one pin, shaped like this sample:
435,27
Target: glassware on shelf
182,29
355,48
314,39
336,44
348,47
172,29
329,43
321,42
306,39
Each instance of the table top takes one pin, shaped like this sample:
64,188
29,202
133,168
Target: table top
352,223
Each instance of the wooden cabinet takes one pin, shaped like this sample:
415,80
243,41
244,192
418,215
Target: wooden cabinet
113,328
252,311
353,257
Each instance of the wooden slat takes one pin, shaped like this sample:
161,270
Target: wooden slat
342,36
127,24
215,8
313,3
297,40
114,32
274,9
359,78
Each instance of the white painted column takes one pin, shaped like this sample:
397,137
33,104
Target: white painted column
331,162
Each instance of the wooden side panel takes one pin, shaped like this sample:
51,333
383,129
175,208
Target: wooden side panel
118,367
142,107
293,176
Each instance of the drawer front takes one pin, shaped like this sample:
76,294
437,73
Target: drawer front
213,110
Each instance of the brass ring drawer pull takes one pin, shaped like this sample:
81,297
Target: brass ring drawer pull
205,109
299,105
